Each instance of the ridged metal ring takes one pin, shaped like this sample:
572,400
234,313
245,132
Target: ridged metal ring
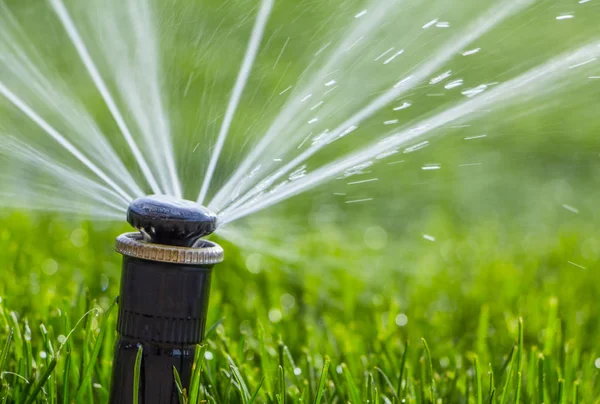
133,245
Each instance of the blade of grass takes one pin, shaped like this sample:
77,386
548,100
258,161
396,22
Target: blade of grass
41,381
478,380
540,384
322,382
353,392
387,381
87,373
492,390
194,388
179,387
255,395
402,367
430,369
66,373
6,350
243,389
137,369
561,385
281,392
508,377
519,362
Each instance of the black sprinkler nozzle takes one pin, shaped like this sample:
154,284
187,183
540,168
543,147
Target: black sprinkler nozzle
163,304
165,220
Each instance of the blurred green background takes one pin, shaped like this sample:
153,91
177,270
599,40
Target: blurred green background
506,229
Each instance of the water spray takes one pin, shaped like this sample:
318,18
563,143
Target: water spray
163,302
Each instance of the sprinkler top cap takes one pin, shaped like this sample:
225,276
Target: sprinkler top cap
169,221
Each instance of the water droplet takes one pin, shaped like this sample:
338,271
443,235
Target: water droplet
104,282
416,147
565,17
430,23
476,137
472,92
471,52
208,356
401,320
286,90
386,154
79,237
254,263
443,24
330,83
43,354
453,84
404,105
275,315
388,60
431,166
287,301
441,77
390,122
360,200
362,13
428,237
597,363
49,266
298,173
384,53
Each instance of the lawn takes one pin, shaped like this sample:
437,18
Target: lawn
474,283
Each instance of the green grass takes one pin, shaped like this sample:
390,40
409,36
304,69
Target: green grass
498,325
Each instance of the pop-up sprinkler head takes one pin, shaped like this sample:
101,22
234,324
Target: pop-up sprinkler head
163,303
164,220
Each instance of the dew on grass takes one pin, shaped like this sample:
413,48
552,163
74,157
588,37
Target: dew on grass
287,301
43,354
297,371
61,339
104,282
401,320
79,237
208,356
245,328
428,237
597,363
49,266
275,315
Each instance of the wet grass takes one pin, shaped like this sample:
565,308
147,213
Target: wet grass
499,323
499,304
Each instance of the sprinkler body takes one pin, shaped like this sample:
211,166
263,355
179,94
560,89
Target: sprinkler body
163,303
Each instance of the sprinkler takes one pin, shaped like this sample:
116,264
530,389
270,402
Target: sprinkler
163,302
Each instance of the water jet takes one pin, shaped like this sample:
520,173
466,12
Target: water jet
163,302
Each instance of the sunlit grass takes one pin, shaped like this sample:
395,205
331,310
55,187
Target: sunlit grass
490,326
